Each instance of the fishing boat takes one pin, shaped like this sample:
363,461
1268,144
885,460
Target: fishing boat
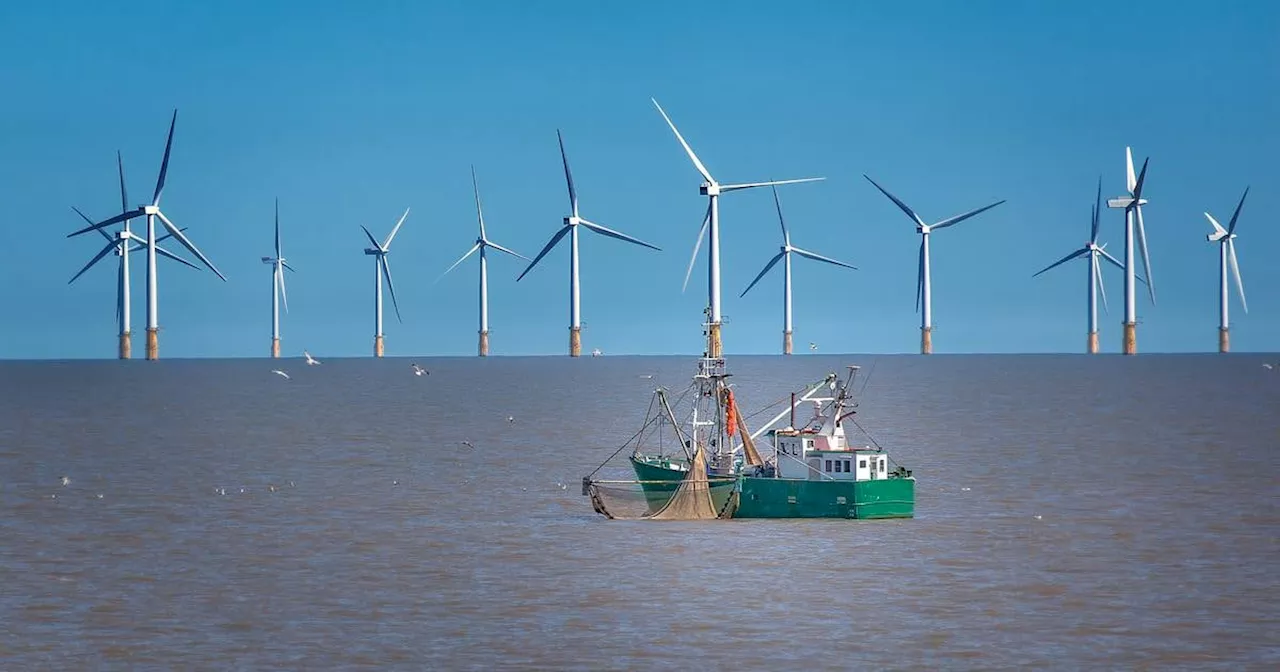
708,466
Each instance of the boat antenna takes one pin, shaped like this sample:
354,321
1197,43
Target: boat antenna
866,381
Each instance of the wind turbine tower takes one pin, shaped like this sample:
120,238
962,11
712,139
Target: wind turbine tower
712,190
152,211
278,264
1132,204
924,285
123,244
570,228
482,243
1227,255
381,270
785,256
1094,252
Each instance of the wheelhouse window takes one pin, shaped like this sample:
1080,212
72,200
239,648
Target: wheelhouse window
862,464
846,466
827,466
882,466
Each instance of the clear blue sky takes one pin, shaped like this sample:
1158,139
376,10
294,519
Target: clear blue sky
350,112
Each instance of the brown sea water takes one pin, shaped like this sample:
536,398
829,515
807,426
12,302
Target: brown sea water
1072,512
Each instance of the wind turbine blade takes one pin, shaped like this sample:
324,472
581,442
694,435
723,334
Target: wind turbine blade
386,273
1142,246
786,237
286,265
372,241
124,195
159,240
550,244
960,218
1102,288
107,249
88,221
1142,177
920,276
1097,210
1128,164
818,257
604,230
164,164
1216,226
910,213
106,222
503,249
1078,253
777,257
187,244
1115,262
279,273
475,188
1235,270
771,183
396,229
568,177
1231,226
688,150
166,253
278,229
694,257
460,260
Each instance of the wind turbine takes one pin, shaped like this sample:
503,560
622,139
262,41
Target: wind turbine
785,256
924,285
571,224
482,243
1226,239
1132,205
152,211
123,245
712,190
381,269
1094,252
278,264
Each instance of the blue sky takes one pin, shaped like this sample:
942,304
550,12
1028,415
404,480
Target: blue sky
351,112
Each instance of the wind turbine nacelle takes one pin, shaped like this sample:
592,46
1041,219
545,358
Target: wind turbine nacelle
150,210
571,221
922,229
268,260
369,250
709,189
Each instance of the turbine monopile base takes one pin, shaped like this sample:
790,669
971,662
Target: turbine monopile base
377,346
1130,338
1093,343
484,344
786,342
1224,339
715,349
153,343
126,346
275,348
575,341
926,340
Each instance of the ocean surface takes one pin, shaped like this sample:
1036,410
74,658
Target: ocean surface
1072,512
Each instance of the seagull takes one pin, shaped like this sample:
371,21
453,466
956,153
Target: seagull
596,352
278,372
646,376
311,361
418,370
813,346
467,443
66,481
1267,366
511,418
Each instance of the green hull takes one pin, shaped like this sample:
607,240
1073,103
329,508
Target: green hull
794,498
659,481
789,498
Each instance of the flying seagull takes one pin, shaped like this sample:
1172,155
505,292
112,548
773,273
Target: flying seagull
418,370
311,361
278,372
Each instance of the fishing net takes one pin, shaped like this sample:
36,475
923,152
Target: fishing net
695,497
